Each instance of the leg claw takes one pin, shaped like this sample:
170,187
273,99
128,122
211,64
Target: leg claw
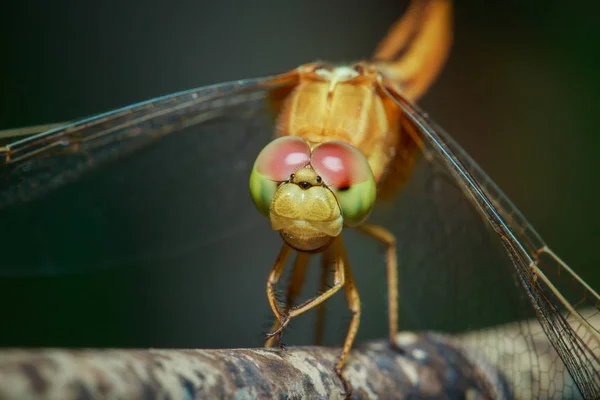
347,393
277,334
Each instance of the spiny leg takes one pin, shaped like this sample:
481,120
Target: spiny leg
294,288
385,237
338,282
354,305
326,261
274,275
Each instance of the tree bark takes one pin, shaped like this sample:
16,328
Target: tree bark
431,366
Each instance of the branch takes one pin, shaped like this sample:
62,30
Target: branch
431,366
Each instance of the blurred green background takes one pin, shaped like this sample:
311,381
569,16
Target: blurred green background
520,92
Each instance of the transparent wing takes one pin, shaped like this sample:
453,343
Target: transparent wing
512,274
104,192
42,161
14,134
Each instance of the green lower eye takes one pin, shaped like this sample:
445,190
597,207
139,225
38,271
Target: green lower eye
356,201
346,171
262,191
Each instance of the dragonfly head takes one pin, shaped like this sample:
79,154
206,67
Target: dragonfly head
310,194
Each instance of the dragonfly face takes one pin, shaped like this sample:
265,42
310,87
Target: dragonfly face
305,212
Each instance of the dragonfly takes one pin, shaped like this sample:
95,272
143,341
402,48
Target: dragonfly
327,149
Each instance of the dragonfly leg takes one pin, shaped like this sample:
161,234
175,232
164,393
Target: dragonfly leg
274,277
385,237
338,282
354,305
326,261
295,285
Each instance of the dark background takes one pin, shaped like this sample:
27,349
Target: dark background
520,93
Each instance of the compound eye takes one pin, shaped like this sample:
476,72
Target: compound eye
282,157
275,163
348,173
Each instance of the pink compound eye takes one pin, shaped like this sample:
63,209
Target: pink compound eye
282,157
340,165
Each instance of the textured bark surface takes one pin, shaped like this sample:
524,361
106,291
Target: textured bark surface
430,367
